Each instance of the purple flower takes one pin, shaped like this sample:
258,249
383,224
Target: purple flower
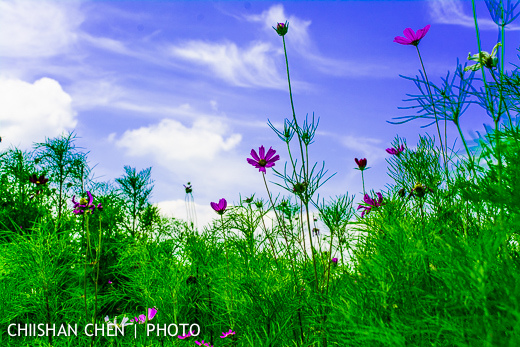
395,151
224,335
142,318
335,261
203,344
83,205
371,203
412,38
182,337
109,282
281,28
361,163
38,180
220,208
263,161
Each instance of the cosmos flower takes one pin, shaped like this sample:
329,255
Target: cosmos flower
335,261
224,335
282,28
142,318
84,205
361,163
412,38
264,160
395,151
484,59
38,180
182,337
371,203
220,208
203,344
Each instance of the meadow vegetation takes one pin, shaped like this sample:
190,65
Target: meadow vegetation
433,260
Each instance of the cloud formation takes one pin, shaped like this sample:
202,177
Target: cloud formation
243,67
38,28
31,112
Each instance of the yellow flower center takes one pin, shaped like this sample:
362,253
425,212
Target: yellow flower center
262,162
83,201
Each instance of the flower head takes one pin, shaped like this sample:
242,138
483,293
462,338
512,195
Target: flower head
85,205
264,160
109,282
182,337
203,344
335,261
371,203
281,28
142,317
412,38
395,151
38,180
220,208
188,188
361,163
484,59
224,335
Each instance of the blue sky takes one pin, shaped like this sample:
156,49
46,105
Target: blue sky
187,86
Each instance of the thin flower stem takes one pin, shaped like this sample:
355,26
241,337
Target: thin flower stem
98,258
272,246
292,105
227,263
283,227
434,112
363,180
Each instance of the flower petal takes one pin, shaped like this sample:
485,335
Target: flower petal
410,34
402,40
261,152
270,153
254,155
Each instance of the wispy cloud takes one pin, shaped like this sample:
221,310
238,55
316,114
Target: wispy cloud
38,28
306,48
453,12
29,112
244,67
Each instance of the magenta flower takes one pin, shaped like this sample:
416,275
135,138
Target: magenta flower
224,335
395,151
142,318
412,38
361,163
371,203
182,337
335,261
109,282
85,205
220,208
203,344
38,180
282,28
263,161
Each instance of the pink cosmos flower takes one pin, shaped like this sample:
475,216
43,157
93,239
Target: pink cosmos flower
264,160
182,337
371,203
224,335
220,208
395,151
335,261
142,318
203,344
109,282
412,38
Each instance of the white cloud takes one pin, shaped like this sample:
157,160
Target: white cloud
31,112
177,209
171,140
276,14
452,12
37,28
253,66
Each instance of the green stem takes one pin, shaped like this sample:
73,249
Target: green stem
434,112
